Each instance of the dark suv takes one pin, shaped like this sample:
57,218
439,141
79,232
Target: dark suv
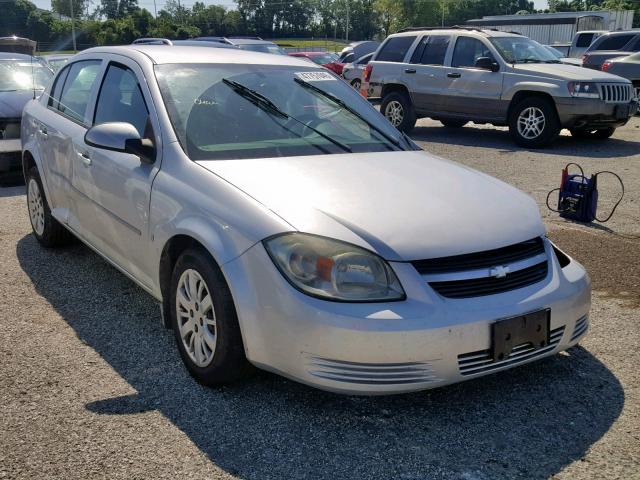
609,45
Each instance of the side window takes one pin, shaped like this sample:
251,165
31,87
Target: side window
584,40
614,42
56,90
636,46
77,89
435,50
395,49
467,52
121,100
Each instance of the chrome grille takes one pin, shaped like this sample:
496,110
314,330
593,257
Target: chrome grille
370,373
581,327
616,92
482,360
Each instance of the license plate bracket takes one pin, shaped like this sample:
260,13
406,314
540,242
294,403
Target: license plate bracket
531,328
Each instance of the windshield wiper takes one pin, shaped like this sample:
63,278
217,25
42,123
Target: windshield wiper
268,106
527,60
342,104
552,61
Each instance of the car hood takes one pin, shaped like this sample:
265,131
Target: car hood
565,72
12,103
404,205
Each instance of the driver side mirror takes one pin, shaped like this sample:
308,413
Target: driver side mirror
121,137
487,63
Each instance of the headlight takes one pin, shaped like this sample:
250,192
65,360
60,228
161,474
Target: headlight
333,270
583,89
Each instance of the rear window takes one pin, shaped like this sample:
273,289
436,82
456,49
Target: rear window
613,42
584,40
431,50
395,49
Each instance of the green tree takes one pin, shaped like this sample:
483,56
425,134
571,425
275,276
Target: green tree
63,7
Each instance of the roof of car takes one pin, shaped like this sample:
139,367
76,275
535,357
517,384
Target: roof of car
189,54
455,30
248,41
308,54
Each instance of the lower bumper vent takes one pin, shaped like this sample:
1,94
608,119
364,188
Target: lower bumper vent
581,327
371,373
482,360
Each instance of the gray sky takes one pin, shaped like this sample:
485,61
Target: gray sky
148,4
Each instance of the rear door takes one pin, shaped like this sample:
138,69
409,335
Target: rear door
391,65
472,92
114,187
428,72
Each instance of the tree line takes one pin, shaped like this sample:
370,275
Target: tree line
122,21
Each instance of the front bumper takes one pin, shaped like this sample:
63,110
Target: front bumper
593,113
423,342
10,155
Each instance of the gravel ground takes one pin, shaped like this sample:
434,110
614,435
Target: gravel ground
92,387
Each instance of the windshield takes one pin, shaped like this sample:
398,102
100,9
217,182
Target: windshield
263,48
522,50
321,59
23,75
214,120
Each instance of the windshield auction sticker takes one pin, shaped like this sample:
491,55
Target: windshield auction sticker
314,76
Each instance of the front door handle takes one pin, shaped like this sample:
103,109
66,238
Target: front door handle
454,75
84,157
409,70
43,131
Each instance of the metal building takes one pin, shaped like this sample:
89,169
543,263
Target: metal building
558,28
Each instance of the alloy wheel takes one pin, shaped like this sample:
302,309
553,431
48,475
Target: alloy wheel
531,123
196,318
36,206
394,112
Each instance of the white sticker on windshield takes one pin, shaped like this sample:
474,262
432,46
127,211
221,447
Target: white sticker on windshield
314,76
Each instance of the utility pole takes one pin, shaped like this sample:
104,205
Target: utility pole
346,35
73,26
443,12
155,9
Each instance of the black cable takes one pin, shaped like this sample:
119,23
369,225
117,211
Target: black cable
619,200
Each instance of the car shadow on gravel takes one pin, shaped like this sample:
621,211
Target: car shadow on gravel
11,190
527,423
501,140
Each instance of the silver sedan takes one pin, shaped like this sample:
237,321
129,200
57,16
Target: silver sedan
282,223
352,72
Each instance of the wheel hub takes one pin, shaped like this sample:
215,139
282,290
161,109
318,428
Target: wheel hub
196,318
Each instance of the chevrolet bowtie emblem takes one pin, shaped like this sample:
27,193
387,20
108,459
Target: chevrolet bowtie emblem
499,272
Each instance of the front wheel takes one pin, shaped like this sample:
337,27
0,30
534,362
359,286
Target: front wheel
204,321
398,109
533,122
600,133
356,83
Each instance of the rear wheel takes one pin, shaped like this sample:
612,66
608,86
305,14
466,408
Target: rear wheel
398,109
356,83
599,133
47,230
533,122
204,321
451,123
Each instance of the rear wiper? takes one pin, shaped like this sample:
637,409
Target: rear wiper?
268,106
342,104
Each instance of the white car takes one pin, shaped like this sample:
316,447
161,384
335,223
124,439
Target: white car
282,222
352,72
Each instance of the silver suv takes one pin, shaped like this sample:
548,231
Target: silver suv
458,75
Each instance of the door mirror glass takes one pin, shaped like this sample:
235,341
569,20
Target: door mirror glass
120,137
487,63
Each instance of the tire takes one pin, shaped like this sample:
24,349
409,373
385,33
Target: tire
356,83
47,230
451,123
533,122
600,134
207,331
398,109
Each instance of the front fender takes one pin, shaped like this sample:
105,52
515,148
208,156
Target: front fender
552,89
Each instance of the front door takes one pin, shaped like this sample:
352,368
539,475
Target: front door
115,188
473,92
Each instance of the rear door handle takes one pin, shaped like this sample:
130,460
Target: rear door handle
43,131
409,70
84,157
454,75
